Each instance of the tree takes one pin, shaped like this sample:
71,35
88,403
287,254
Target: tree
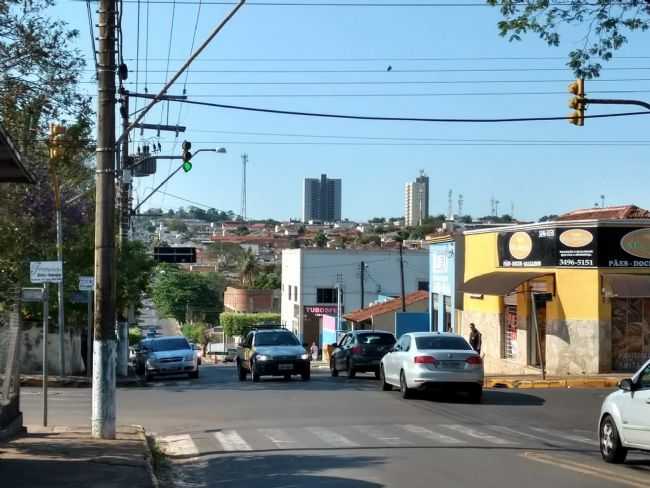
320,239
248,269
197,333
135,268
270,281
238,324
175,291
606,25
177,225
549,218
242,230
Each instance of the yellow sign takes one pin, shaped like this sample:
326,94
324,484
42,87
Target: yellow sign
520,245
576,237
637,243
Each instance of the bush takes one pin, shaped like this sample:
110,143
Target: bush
238,324
135,335
196,333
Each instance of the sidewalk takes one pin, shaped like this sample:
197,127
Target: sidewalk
74,381
609,380
67,457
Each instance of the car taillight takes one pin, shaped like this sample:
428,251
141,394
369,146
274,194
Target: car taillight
474,360
426,360
356,350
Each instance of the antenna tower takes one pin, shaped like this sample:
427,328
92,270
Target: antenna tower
460,205
450,207
244,161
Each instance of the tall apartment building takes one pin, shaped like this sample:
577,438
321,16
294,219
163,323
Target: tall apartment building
322,199
416,200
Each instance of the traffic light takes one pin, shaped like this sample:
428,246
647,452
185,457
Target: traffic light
56,140
187,156
577,103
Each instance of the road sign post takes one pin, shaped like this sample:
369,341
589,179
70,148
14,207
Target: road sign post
87,284
45,334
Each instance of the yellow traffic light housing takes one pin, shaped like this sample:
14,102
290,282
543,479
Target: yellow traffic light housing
577,103
56,140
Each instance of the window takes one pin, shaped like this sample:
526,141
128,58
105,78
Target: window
347,339
447,305
169,344
325,295
510,332
404,343
423,286
276,339
448,343
295,293
289,292
378,339
644,378
434,311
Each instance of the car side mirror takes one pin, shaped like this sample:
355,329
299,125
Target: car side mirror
626,384
395,348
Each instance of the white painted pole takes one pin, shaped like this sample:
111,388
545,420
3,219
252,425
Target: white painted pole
46,311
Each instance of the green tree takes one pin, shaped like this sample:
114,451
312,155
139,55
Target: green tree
270,281
198,333
176,225
248,269
175,290
320,239
238,324
133,279
606,26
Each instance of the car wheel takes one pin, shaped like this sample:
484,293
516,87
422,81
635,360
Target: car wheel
242,373
287,377
306,376
405,391
194,374
377,374
147,376
351,372
333,371
254,374
476,394
382,381
610,443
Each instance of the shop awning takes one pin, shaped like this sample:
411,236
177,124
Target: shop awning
12,169
627,285
499,282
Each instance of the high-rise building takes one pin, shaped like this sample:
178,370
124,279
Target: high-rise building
322,199
416,200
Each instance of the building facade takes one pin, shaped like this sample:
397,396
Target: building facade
416,200
310,278
446,263
250,300
321,199
567,297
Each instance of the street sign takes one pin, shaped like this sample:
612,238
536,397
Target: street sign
79,297
46,271
32,294
86,283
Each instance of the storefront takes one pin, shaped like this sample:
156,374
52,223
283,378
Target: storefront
445,263
572,297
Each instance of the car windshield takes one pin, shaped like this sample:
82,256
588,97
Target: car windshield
276,339
450,343
169,345
378,339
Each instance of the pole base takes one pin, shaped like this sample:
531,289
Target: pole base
103,391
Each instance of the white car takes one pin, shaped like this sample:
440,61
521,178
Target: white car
423,360
624,421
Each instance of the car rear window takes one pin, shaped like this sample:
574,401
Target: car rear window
276,339
169,344
451,343
380,339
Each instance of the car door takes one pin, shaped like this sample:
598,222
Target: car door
395,359
636,412
341,352
247,351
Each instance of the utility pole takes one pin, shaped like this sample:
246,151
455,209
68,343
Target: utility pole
125,176
363,291
244,162
401,272
103,386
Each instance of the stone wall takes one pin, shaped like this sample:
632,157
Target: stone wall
572,346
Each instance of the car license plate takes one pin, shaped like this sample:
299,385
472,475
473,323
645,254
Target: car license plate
285,366
453,364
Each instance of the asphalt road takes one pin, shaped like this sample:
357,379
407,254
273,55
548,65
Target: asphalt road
346,433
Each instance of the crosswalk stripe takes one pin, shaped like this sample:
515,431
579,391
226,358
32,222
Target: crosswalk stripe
279,437
507,430
477,434
230,440
378,434
178,445
332,438
430,434
563,435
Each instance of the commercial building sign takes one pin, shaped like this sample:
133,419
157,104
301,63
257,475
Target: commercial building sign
320,310
605,247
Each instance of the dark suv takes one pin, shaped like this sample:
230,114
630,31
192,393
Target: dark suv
272,352
360,351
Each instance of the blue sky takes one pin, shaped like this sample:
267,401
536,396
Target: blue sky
537,179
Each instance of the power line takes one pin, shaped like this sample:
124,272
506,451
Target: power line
432,144
398,70
399,119
366,4
92,37
373,59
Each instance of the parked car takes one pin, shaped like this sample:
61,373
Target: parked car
272,352
360,351
199,352
426,360
141,354
624,421
231,355
170,355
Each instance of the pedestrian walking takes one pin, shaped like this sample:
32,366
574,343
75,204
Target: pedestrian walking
475,338
314,351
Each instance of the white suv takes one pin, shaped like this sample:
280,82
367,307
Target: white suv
625,417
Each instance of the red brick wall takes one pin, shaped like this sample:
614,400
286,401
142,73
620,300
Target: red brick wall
248,300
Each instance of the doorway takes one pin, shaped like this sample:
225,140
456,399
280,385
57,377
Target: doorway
537,332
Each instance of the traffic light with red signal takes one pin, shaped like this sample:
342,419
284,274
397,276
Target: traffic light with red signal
577,103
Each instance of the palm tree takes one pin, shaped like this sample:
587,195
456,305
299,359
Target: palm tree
248,268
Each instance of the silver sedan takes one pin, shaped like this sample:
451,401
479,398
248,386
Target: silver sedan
424,360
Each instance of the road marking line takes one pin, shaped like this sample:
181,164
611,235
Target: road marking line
429,434
587,469
178,445
332,438
230,440
478,434
563,435
507,430
378,434
279,437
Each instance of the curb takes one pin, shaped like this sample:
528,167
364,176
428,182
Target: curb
583,383
148,455
78,382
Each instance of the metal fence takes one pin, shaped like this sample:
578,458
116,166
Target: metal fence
10,339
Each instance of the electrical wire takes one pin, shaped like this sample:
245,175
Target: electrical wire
630,3
91,29
373,59
398,70
400,119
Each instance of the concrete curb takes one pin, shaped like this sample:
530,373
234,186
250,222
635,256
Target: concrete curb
584,383
74,381
149,455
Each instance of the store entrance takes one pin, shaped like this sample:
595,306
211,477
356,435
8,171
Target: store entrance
630,333
537,332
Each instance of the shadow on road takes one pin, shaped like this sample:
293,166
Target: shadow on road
276,470
490,397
